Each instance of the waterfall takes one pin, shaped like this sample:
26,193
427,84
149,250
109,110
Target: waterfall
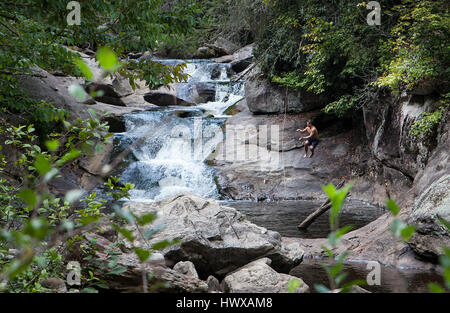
172,158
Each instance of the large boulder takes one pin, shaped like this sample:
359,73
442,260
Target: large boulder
108,93
165,99
431,235
168,279
264,97
45,86
259,277
205,53
239,60
223,46
217,239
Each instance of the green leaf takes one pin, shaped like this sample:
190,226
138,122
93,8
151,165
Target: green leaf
124,232
342,231
336,269
90,219
164,244
149,233
328,251
146,219
107,59
444,222
118,270
293,285
36,228
72,154
93,113
321,289
17,267
85,70
52,145
347,287
407,232
29,197
340,278
42,164
393,207
435,288
78,93
142,254
337,198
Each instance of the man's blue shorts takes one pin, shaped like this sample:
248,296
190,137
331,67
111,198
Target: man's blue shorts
313,142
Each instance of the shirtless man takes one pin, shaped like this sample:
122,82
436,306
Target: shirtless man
312,140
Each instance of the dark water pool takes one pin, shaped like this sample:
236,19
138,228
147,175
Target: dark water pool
284,216
392,280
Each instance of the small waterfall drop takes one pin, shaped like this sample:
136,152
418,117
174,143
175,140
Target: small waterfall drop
172,157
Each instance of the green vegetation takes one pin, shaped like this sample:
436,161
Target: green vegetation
335,272
328,47
36,225
404,232
36,33
426,126
399,229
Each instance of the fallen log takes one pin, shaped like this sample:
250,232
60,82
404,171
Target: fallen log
317,213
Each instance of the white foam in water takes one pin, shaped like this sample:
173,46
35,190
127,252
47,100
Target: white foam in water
172,158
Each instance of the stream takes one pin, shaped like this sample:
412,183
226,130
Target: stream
172,159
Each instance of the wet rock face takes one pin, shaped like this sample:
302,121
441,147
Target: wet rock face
264,97
109,94
431,235
205,53
239,60
223,46
259,277
52,89
215,238
265,165
387,130
165,99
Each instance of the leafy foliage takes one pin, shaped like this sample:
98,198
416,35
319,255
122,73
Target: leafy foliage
36,33
328,47
425,127
35,223
335,272
405,232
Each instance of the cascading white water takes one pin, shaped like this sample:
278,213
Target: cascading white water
172,158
